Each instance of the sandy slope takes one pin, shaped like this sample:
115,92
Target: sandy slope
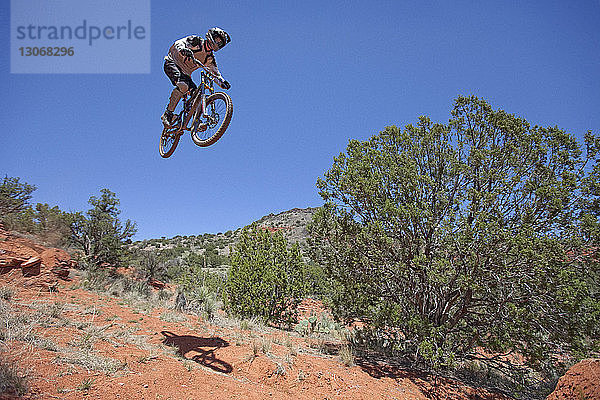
80,344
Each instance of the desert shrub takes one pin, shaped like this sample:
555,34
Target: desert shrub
16,212
14,196
267,278
148,264
318,284
479,233
99,232
200,289
13,381
98,279
7,292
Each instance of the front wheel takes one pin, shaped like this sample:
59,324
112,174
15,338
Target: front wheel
168,141
209,127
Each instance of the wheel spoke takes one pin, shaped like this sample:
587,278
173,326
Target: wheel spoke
210,127
213,119
168,142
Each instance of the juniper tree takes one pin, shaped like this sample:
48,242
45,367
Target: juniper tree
14,196
99,232
449,238
267,278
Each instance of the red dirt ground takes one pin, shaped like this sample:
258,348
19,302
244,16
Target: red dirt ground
189,358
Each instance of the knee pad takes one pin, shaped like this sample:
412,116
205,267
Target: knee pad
183,87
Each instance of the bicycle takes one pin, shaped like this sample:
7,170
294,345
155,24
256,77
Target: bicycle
209,114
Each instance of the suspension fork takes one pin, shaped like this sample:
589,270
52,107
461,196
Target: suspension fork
200,109
203,104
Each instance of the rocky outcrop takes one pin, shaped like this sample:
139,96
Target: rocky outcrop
24,262
582,381
292,223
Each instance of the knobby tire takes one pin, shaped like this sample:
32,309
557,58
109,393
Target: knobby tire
216,128
168,141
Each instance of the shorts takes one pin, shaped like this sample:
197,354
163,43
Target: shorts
176,75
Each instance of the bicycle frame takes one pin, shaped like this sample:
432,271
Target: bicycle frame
208,110
205,89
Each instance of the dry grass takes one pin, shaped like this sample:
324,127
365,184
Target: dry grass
22,325
279,369
266,345
13,380
291,346
255,351
7,293
238,338
90,360
86,384
346,356
128,336
173,316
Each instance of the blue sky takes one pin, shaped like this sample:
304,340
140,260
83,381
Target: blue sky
306,77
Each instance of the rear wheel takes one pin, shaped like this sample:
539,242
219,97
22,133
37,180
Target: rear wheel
168,141
208,128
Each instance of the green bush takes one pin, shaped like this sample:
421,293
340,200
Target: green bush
50,224
148,264
99,232
14,196
267,278
476,234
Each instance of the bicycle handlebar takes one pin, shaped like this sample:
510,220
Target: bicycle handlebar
209,72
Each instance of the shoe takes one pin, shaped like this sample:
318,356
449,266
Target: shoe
168,119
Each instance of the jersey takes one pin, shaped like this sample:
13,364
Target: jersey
196,44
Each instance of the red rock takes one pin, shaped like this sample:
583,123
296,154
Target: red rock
31,262
26,263
582,381
156,284
32,267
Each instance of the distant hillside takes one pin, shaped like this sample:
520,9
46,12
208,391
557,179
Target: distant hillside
292,223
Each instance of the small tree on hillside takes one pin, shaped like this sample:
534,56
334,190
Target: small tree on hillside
148,264
48,223
51,224
99,232
266,278
14,196
452,238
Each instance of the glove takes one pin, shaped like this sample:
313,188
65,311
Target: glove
226,85
186,52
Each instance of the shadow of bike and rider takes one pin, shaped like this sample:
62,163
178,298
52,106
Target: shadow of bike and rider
204,347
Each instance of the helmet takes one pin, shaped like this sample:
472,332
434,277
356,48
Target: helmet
217,38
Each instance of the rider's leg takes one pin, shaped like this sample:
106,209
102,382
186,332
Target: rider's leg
176,94
182,82
174,74
179,90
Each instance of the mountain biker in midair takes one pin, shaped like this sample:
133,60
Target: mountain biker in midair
179,65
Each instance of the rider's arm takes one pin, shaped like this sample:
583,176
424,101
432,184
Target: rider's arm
211,65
